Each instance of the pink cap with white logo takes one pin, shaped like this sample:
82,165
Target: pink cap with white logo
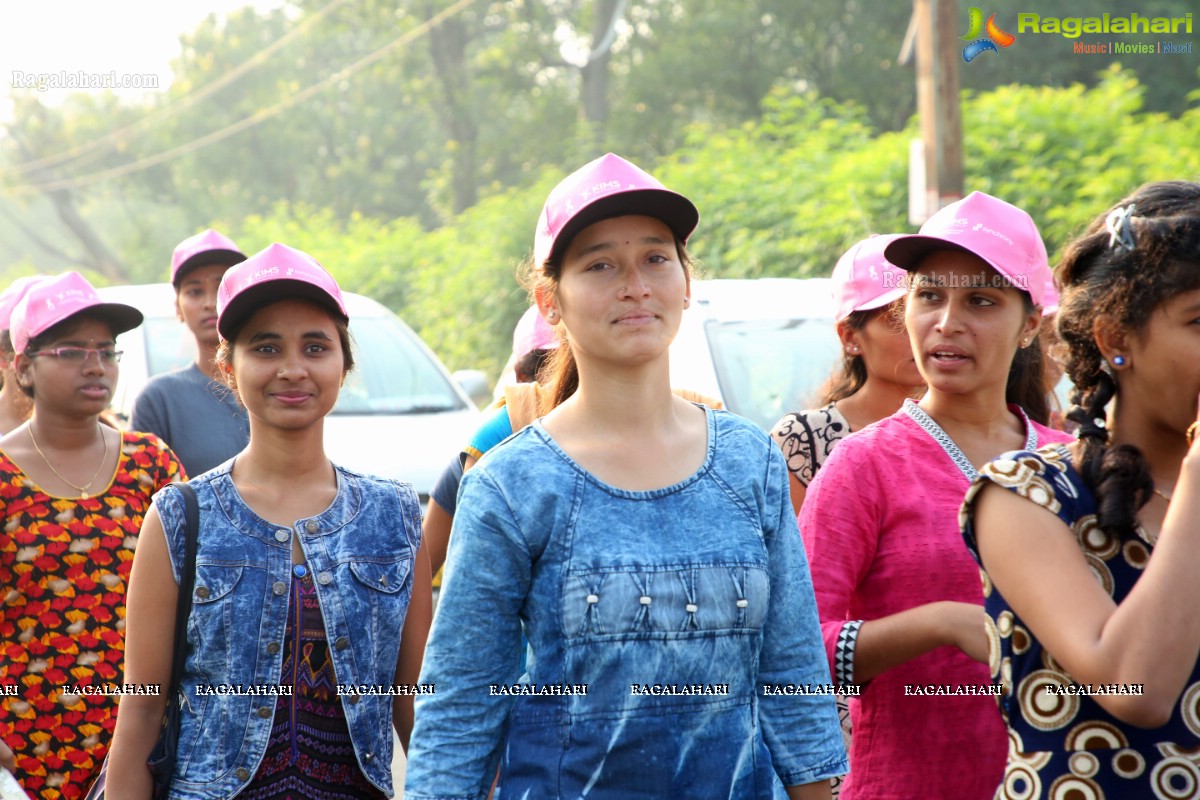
532,333
277,273
608,187
13,294
53,300
864,280
998,232
207,247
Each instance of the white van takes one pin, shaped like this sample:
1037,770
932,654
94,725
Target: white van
764,346
400,415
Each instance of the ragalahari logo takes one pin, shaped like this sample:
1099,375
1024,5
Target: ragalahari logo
977,43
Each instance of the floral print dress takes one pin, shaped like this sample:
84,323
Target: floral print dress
64,565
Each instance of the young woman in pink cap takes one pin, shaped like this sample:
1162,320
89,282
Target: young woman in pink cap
645,544
899,598
1089,550
878,374
72,496
311,600
15,405
191,408
878,371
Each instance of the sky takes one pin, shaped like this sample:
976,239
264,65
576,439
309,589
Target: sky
129,37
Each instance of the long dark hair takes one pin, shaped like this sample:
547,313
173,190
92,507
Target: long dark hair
1026,384
1124,275
559,375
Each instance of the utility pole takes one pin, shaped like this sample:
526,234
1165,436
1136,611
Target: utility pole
938,55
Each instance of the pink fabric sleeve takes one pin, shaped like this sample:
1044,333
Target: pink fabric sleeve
840,522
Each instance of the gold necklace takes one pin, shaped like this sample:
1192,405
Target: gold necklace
83,493
1162,494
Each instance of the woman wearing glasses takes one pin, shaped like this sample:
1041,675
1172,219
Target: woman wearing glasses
72,496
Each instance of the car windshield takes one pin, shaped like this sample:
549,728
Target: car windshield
407,382
767,368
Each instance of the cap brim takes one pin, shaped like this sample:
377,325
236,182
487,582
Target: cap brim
120,317
908,252
203,259
249,300
679,214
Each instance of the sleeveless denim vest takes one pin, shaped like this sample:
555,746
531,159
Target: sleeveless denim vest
360,552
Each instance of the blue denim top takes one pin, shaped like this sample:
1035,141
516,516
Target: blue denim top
360,551
639,597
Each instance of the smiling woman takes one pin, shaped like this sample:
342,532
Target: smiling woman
74,494
322,563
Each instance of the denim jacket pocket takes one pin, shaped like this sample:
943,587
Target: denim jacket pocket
387,577
211,623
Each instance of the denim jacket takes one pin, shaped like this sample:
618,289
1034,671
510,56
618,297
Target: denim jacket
670,608
360,551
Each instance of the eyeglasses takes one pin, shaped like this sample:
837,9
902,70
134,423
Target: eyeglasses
78,355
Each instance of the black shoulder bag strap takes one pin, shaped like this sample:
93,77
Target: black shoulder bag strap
187,582
162,758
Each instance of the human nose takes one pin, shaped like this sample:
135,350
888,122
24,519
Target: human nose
635,284
949,317
291,368
92,362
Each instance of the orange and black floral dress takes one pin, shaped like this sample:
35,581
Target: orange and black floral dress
64,564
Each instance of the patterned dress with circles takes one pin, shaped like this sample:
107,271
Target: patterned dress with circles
1063,744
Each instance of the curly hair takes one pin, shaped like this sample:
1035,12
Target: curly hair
1123,276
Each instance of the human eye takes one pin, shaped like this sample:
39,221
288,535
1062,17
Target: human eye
982,300
71,354
315,348
109,355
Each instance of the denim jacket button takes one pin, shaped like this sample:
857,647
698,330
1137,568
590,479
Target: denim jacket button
690,608
311,526
273,648
368,757
743,603
279,587
324,579
341,643
242,773
644,600
202,592
282,535
592,598
264,712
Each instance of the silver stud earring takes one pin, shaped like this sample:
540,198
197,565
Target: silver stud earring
1118,361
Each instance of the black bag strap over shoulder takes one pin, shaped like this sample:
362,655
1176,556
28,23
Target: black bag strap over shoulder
187,583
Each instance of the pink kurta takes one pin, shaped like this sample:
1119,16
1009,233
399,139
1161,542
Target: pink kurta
880,524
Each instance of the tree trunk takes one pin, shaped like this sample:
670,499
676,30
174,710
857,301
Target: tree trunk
595,72
448,47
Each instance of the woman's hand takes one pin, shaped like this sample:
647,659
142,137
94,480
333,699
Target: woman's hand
8,759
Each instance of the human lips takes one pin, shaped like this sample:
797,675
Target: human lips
292,398
947,355
96,391
637,317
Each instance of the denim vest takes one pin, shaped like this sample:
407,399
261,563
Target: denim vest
360,551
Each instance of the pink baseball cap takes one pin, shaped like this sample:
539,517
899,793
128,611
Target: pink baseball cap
12,295
532,333
864,280
610,186
52,300
276,273
998,232
207,247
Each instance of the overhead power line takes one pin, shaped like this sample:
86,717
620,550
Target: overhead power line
179,105
252,120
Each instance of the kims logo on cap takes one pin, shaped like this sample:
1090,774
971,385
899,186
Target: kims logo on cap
979,44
